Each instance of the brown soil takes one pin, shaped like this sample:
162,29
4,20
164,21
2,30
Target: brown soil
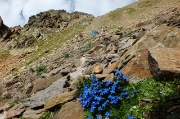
9,64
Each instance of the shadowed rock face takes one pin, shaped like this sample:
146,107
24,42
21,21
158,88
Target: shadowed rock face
3,28
164,63
1,22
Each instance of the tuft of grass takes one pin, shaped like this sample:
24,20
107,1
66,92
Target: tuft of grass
86,48
41,69
21,89
12,104
66,55
47,115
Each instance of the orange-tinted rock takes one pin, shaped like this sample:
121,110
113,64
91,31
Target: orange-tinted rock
61,98
100,76
138,66
97,69
15,111
32,114
71,110
109,77
164,62
111,67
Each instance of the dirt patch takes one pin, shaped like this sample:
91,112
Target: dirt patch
10,63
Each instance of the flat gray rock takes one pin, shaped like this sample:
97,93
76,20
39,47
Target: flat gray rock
39,98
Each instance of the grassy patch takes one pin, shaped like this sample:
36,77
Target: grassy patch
120,11
116,13
148,3
54,41
4,54
151,97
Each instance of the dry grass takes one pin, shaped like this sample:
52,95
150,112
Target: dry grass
3,54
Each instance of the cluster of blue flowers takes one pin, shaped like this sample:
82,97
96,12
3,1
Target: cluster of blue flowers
98,95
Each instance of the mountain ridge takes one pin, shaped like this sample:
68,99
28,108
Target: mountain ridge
42,62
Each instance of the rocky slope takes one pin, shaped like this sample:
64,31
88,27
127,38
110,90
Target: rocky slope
135,38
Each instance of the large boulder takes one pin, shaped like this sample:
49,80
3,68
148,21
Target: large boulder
39,98
41,84
164,62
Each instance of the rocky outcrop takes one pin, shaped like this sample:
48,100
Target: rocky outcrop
6,32
135,61
164,63
53,19
1,22
3,28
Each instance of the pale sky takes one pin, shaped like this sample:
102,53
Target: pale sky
17,12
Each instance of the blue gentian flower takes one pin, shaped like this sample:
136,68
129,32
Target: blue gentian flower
89,117
125,78
78,87
100,108
130,117
133,92
99,117
107,114
92,108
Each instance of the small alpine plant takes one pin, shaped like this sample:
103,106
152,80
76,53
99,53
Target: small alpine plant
98,95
